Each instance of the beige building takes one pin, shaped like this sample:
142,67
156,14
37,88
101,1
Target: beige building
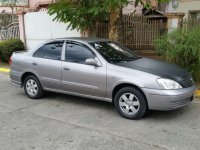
5,10
130,8
191,8
26,5
5,7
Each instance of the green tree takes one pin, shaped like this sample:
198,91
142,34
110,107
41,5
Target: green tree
83,14
182,47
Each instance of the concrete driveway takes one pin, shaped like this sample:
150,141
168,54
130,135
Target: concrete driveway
60,122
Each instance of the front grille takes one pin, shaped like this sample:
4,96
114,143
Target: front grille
180,103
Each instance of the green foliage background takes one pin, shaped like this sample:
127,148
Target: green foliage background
8,47
183,48
82,14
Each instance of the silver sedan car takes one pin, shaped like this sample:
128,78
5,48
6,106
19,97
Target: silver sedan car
103,70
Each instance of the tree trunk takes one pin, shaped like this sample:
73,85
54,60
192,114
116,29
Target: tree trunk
115,18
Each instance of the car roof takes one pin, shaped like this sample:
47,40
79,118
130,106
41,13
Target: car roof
75,39
83,39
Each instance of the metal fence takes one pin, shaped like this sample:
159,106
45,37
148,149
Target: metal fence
136,32
139,32
6,19
102,30
189,23
9,32
9,27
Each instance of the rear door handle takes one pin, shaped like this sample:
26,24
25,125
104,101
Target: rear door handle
35,64
66,68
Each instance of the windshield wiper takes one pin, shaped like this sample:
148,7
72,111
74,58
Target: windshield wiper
128,59
125,60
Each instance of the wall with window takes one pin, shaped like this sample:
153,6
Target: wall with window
39,27
188,7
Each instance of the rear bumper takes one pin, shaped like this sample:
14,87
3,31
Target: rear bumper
169,99
15,79
15,83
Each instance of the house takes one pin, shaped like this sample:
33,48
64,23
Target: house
5,10
191,8
39,4
137,10
10,6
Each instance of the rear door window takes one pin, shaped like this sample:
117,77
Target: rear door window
50,51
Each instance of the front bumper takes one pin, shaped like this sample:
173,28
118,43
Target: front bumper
168,99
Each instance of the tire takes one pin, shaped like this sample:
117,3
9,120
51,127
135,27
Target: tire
130,103
33,88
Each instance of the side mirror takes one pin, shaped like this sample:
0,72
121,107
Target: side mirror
93,62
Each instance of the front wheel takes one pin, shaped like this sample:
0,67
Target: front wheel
130,103
33,88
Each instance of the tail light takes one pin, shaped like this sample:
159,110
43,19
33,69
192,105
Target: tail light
10,61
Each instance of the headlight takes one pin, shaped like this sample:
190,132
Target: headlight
168,84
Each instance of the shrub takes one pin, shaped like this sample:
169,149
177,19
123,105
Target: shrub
8,47
183,48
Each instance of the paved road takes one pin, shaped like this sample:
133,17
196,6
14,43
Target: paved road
60,122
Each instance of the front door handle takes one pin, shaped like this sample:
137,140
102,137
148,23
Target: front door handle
66,68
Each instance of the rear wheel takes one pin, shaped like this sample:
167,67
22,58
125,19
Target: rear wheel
130,103
32,87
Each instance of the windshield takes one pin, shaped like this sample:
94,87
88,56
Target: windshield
114,52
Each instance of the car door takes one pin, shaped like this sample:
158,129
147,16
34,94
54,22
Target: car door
78,77
46,63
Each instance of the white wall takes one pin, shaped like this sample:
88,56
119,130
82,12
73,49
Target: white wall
40,27
185,6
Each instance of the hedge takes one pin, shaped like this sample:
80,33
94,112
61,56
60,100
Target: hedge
8,47
183,48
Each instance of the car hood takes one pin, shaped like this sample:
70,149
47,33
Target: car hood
162,69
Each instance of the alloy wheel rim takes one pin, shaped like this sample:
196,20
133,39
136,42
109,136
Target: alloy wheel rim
129,103
31,87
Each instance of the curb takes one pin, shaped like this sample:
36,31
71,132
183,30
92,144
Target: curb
197,94
4,70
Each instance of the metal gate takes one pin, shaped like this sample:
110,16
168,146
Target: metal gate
136,32
9,26
10,32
